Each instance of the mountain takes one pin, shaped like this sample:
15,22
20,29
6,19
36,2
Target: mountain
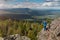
26,13
33,12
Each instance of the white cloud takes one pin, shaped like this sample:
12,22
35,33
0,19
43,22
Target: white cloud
4,4
47,4
20,5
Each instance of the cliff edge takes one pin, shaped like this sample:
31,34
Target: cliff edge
53,33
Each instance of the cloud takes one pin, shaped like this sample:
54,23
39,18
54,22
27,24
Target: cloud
47,4
20,5
53,3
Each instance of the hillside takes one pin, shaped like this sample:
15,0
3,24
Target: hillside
53,33
32,12
16,16
26,13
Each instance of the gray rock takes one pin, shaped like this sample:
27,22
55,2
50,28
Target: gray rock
1,38
53,33
16,37
25,38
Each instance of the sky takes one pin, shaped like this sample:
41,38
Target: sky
55,4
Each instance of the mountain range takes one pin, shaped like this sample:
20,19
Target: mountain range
26,13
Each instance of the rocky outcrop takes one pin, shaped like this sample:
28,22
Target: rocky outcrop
25,38
1,38
53,33
15,37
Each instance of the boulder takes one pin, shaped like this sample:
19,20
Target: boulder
1,38
53,33
16,37
25,38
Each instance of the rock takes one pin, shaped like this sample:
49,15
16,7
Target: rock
25,38
1,38
16,37
53,33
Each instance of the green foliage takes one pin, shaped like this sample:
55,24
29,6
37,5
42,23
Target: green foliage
48,20
24,28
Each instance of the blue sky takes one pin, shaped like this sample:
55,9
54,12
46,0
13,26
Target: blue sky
37,1
33,1
29,4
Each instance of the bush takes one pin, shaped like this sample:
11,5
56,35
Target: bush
24,28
